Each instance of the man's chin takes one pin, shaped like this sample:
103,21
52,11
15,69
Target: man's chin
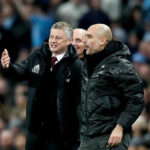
53,50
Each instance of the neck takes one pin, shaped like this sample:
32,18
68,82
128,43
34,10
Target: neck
58,53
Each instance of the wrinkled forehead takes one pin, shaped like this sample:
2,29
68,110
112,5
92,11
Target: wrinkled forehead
58,32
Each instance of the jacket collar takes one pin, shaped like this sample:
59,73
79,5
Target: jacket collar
112,49
70,54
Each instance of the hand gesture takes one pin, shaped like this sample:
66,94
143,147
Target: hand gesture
5,59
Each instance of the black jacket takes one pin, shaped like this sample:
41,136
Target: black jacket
112,92
66,96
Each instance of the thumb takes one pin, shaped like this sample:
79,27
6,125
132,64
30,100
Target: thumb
6,51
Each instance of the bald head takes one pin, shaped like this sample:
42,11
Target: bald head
79,40
102,31
79,30
97,37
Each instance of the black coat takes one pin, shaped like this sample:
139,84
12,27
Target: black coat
67,91
112,92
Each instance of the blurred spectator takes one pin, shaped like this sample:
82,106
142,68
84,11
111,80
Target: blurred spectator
15,124
139,127
144,48
2,124
41,25
18,113
146,8
118,32
134,21
15,32
147,95
6,140
138,143
54,4
142,66
5,108
112,8
20,141
40,22
72,11
21,95
147,103
130,5
133,42
94,15
4,87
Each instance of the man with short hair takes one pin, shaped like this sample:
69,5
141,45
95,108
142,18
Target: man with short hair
79,41
112,93
53,72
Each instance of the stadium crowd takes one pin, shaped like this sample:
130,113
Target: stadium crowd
25,24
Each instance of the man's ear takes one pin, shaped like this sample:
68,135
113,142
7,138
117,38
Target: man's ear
102,41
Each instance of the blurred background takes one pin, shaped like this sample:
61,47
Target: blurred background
25,24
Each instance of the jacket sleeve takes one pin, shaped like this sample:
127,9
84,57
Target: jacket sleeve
130,87
17,71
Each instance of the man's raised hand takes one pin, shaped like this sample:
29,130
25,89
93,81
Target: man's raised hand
5,59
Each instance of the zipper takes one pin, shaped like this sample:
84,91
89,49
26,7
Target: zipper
87,81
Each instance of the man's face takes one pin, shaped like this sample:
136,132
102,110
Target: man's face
92,42
79,41
58,41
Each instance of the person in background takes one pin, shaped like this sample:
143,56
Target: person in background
79,41
6,140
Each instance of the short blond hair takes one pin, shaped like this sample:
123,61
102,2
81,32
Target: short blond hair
66,27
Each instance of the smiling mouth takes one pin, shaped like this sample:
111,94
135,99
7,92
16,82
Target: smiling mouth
53,46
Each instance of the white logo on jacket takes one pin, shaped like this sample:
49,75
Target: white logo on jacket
36,69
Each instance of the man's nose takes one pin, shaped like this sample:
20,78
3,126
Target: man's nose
85,42
53,40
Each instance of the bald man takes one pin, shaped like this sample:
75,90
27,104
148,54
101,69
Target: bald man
79,41
112,93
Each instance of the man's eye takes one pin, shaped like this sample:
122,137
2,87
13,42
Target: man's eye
78,40
89,36
58,38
